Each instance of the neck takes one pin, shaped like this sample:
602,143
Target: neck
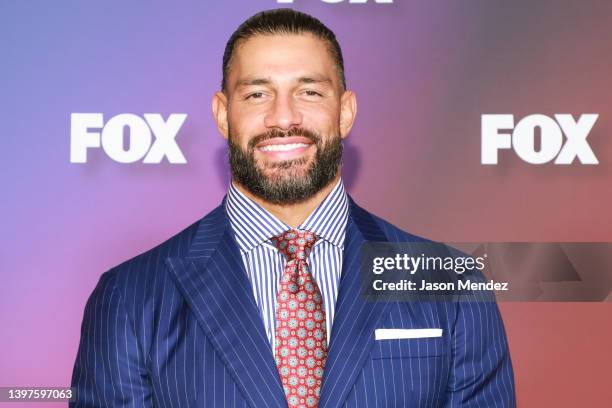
292,214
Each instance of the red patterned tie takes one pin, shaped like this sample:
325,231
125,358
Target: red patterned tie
301,338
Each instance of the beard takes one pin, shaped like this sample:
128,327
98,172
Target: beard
288,182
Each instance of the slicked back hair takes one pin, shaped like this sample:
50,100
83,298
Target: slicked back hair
283,21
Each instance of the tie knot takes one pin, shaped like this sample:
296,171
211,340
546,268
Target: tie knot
295,244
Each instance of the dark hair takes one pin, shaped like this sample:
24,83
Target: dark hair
282,21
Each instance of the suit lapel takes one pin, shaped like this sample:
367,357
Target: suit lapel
214,283
355,320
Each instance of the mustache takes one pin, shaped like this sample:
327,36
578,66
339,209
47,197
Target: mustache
274,133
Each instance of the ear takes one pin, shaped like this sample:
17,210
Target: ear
348,111
219,109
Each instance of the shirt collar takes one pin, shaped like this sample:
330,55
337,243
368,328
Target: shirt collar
253,225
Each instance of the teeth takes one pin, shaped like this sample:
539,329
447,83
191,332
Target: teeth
281,147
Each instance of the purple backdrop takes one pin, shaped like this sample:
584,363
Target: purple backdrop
423,71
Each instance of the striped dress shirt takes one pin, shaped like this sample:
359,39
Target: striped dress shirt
253,226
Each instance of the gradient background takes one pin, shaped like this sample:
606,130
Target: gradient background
423,71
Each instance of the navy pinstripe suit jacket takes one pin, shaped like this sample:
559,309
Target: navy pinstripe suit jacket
177,326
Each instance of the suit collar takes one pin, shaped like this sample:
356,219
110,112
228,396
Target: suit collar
214,283
212,279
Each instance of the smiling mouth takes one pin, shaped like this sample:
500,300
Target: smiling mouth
284,148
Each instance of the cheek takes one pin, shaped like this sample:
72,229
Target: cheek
324,118
243,126
326,127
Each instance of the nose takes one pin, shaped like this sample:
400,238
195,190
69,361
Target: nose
283,113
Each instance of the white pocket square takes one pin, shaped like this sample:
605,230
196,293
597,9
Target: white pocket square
392,334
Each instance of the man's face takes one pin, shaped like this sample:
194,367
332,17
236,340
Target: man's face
284,114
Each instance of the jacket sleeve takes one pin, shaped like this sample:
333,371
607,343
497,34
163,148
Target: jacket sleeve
109,370
481,373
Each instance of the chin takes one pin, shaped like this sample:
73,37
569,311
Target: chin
294,173
295,166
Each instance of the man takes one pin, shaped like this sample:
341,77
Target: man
258,304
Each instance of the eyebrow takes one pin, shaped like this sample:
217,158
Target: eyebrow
302,80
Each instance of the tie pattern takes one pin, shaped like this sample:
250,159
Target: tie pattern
301,338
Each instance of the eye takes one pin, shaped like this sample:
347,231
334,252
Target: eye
255,95
312,93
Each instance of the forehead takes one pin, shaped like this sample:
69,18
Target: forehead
281,57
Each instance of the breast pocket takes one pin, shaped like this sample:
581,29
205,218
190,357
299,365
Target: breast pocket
409,372
409,348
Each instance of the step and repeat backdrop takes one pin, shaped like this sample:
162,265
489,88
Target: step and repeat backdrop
478,121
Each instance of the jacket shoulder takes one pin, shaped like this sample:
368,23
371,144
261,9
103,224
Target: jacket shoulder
139,283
